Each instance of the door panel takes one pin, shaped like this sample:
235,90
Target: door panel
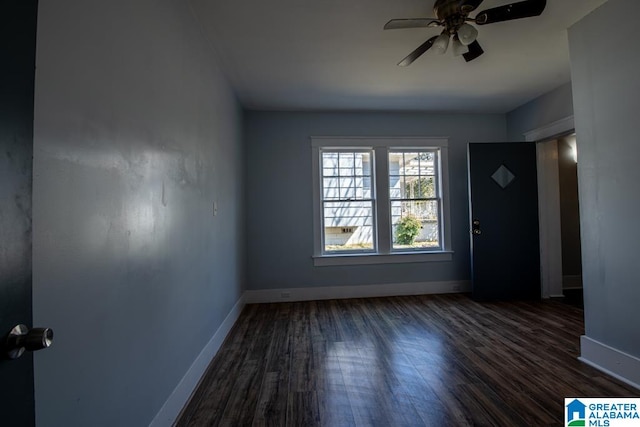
505,249
17,49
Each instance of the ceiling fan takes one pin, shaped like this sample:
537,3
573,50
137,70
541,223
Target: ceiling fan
453,15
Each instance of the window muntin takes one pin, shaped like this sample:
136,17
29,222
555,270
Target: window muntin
348,209
414,194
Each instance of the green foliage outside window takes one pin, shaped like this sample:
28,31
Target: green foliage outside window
407,230
420,188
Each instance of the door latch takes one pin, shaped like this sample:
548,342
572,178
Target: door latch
21,339
475,227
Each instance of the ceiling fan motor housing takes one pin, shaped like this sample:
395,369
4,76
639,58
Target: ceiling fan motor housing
452,12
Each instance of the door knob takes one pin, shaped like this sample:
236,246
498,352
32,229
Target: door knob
21,339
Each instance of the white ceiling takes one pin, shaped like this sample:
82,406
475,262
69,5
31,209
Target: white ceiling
334,55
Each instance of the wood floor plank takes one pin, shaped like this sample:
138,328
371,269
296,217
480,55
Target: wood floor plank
399,361
303,409
271,408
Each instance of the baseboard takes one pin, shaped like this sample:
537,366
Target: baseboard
171,409
609,360
362,291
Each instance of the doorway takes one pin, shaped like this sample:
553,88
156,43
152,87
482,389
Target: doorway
570,220
560,250
551,268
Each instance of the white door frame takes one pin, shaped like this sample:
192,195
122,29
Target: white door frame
549,203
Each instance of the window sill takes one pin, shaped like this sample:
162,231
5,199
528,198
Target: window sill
369,259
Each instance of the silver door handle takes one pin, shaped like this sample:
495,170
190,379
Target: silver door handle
21,339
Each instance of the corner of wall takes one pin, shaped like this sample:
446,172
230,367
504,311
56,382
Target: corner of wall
179,398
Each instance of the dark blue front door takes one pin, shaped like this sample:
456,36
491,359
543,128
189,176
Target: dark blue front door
17,72
505,248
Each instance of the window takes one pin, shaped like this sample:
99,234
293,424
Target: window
380,200
415,201
347,200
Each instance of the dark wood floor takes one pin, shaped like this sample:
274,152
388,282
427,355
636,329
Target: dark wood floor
401,361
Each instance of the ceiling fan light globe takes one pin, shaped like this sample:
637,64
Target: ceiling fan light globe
441,44
467,34
459,48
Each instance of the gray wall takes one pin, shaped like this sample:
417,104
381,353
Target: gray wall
548,108
605,73
279,194
136,134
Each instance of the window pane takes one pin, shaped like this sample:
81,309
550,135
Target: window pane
410,164
352,172
366,164
348,226
347,160
330,189
411,175
347,193
395,186
420,187
366,193
347,183
415,224
330,160
330,171
427,163
345,171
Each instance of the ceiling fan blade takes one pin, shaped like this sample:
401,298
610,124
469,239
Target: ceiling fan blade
475,50
470,5
523,9
418,52
396,24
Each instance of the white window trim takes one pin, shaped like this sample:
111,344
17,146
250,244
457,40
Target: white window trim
382,217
